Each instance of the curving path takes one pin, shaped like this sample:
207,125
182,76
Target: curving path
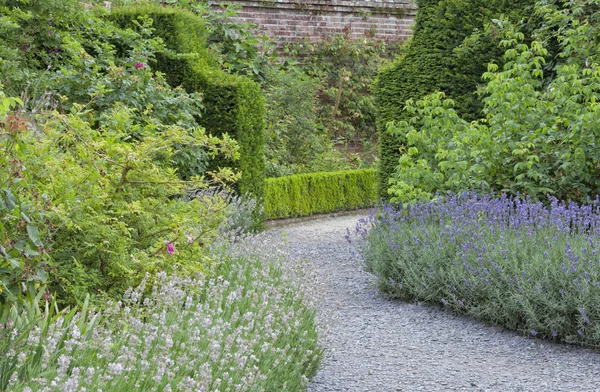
375,344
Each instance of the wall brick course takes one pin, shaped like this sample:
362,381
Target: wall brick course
290,20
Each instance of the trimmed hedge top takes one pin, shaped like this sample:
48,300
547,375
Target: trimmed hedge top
318,193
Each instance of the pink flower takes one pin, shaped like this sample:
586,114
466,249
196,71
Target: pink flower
170,248
190,238
139,65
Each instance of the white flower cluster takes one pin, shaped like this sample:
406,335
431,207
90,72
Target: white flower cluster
248,325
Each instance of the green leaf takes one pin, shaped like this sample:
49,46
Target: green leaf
34,235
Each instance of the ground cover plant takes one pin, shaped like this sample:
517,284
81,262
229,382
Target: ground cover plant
248,325
513,262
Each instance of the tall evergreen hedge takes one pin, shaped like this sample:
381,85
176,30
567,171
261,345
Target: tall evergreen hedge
232,104
449,52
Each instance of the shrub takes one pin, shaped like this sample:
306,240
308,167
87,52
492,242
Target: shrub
248,325
238,47
61,48
240,214
314,193
99,184
449,51
294,141
232,104
535,138
115,206
345,69
241,50
23,213
512,262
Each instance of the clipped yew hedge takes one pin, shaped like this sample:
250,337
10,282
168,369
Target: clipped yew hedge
317,193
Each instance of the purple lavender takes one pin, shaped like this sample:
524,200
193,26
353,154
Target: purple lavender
511,260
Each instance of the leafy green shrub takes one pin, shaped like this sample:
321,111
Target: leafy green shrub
241,50
512,262
314,193
248,325
294,141
535,138
116,206
23,218
232,104
449,51
238,47
93,62
345,69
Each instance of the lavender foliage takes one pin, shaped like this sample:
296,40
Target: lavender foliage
511,261
249,325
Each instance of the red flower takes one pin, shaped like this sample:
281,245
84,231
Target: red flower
139,65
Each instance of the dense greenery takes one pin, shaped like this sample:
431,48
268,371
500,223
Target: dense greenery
97,187
512,262
344,69
538,136
317,137
23,220
295,143
107,180
449,51
232,105
110,204
314,193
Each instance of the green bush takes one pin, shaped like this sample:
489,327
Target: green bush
315,193
345,69
536,138
449,51
294,141
24,223
62,49
115,208
232,104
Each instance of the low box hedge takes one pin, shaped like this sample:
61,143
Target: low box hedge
317,193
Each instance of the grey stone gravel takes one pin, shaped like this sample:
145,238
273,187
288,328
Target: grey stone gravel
375,344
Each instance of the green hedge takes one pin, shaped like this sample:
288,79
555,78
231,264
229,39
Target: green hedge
449,52
314,193
233,104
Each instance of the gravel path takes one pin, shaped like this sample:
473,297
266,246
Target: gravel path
380,345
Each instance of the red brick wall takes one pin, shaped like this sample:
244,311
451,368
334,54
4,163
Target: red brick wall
292,20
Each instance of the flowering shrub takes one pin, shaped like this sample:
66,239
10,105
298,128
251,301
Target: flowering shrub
92,208
248,327
509,261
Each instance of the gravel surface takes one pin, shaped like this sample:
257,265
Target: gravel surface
375,344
